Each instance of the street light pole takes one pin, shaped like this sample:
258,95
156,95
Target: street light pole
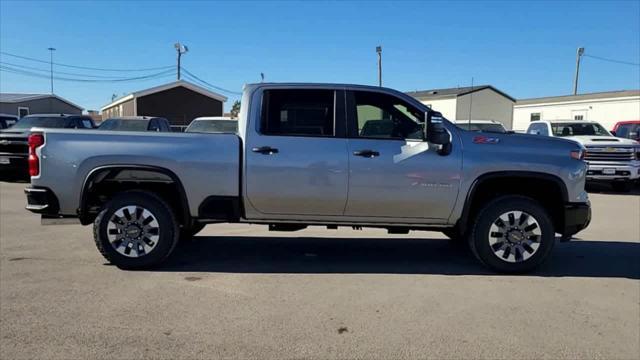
379,51
579,54
51,50
181,49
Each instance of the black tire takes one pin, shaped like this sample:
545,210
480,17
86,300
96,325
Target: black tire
167,236
622,186
187,233
479,240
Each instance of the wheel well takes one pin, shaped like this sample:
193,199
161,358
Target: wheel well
547,190
103,184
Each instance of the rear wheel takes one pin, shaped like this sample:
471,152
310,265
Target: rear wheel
136,230
512,234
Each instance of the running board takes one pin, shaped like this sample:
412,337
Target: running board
44,220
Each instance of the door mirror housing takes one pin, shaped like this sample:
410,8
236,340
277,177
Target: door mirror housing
436,133
613,132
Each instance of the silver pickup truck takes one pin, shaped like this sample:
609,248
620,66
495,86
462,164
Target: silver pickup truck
315,154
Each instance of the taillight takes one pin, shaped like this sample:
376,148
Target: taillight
578,154
35,141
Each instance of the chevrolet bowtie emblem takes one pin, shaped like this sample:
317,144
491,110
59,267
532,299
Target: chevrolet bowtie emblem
5,142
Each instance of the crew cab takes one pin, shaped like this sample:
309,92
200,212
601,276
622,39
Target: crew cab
315,154
611,159
13,141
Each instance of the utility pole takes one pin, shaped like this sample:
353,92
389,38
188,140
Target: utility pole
51,50
379,51
181,49
579,54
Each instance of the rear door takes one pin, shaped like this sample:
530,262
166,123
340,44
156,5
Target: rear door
297,163
393,172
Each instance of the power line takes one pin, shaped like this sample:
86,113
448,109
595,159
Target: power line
612,60
9,69
24,67
84,67
195,78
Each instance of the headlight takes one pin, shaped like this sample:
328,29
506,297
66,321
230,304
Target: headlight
578,154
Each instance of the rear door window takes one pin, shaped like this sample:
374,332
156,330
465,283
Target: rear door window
298,112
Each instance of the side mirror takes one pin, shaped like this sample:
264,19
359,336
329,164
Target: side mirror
613,133
436,133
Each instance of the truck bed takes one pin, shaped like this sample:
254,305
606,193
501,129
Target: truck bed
206,164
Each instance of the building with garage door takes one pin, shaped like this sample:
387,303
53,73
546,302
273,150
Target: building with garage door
179,102
26,104
607,108
483,102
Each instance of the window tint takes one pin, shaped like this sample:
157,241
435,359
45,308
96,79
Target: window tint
538,129
570,129
623,130
86,123
153,125
387,117
44,122
124,125
497,128
298,112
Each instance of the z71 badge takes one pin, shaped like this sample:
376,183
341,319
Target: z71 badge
485,140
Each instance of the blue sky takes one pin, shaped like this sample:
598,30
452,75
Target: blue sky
526,49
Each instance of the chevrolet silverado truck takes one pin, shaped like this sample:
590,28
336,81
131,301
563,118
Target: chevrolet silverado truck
610,159
315,154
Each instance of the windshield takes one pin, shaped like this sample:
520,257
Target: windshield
124,125
498,128
576,129
228,126
43,122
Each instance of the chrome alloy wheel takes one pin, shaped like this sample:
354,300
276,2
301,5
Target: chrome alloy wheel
515,236
133,231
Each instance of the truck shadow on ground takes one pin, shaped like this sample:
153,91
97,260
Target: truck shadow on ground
599,188
387,256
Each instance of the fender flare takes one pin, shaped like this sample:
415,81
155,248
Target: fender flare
464,218
84,193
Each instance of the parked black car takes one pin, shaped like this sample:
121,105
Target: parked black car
14,148
136,123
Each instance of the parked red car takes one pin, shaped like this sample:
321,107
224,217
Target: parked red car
627,129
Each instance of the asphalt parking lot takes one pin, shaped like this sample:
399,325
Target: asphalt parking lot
239,291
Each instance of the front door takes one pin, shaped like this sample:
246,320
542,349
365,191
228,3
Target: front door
393,172
297,164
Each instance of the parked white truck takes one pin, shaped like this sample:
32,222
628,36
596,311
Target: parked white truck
611,159
315,154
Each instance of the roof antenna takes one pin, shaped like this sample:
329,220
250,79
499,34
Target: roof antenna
470,102
261,77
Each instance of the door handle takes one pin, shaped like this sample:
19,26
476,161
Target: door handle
366,153
266,150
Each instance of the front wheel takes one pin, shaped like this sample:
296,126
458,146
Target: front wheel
512,234
136,230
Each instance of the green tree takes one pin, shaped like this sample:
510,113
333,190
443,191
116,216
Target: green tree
235,109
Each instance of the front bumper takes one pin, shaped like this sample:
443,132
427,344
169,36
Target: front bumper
41,201
614,171
577,217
